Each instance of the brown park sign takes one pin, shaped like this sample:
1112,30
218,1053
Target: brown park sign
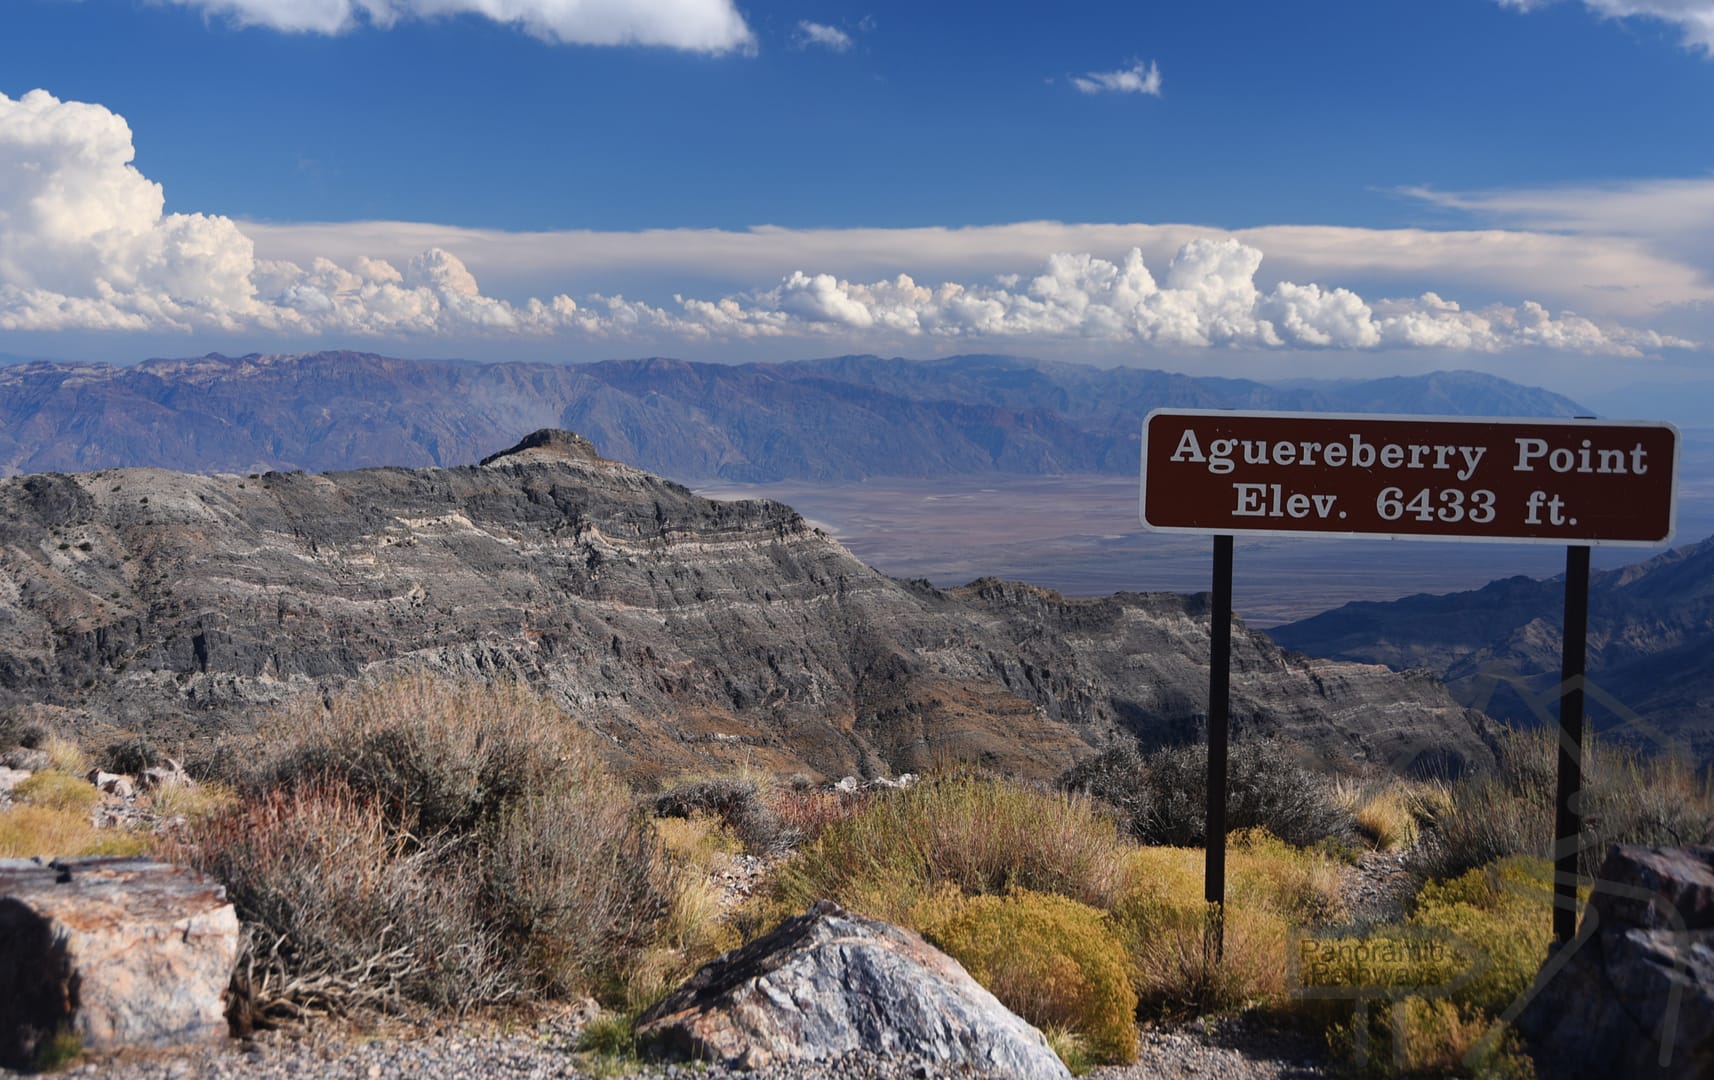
1436,478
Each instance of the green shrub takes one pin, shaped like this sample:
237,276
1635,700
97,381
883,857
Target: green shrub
1051,960
1163,795
806,814
981,835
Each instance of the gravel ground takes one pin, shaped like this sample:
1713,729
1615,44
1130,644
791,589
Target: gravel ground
1378,887
1242,1048
537,1054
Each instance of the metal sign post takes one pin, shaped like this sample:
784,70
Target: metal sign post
1567,814
1219,701
1529,481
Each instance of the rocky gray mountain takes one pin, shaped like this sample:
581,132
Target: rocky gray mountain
826,420
690,633
1651,645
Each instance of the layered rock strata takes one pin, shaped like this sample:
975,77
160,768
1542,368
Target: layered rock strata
690,633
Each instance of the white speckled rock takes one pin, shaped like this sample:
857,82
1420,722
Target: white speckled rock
123,952
829,983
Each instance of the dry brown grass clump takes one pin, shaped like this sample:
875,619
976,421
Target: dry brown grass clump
1386,814
345,909
806,813
437,844
1628,798
977,834
1271,887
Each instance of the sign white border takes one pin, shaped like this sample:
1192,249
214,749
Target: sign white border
1306,534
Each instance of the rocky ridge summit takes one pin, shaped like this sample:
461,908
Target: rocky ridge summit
689,633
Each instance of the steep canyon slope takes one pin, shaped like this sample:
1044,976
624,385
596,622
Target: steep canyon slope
690,633
1651,646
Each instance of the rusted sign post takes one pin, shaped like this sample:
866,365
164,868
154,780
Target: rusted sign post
1572,482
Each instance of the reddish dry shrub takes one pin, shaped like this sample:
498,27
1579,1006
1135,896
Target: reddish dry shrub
344,910
434,843
807,814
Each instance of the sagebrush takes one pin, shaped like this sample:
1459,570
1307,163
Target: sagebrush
427,843
1162,795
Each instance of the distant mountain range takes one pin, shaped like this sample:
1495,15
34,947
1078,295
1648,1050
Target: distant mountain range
835,420
1651,645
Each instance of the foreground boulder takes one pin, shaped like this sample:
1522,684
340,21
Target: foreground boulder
830,982
1636,997
117,951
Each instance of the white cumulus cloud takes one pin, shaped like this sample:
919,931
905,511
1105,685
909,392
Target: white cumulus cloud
85,244
698,25
1695,18
828,37
1139,78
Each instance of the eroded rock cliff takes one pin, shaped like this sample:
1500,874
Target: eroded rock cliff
690,633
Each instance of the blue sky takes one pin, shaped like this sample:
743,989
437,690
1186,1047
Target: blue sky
1329,187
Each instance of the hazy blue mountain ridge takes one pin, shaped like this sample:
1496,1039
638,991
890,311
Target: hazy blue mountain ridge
835,420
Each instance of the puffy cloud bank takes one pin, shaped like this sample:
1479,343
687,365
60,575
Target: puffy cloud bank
699,25
1694,17
85,244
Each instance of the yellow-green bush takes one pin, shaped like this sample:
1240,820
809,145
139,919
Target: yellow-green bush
1473,945
980,835
1386,818
1163,918
1503,912
1051,960
27,831
193,802
57,791
1440,1038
